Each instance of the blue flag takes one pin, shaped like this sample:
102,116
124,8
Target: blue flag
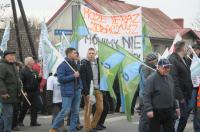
5,38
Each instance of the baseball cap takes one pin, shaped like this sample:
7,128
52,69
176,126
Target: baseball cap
164,63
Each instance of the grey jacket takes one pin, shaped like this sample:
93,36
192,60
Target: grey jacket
159,92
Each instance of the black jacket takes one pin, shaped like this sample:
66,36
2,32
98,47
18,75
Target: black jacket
182,77
159,92
30,80
9,82
87,76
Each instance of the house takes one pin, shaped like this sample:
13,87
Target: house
162,29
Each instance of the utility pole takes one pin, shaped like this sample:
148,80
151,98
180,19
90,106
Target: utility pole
17,29
27,28
75,11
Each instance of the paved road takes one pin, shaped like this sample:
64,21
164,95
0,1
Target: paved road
115,123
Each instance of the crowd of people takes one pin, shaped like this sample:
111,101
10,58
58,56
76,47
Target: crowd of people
165,91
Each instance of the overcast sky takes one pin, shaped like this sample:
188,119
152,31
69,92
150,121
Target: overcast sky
187,9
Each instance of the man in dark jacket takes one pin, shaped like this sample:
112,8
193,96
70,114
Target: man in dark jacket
180,72
159,98
145,72
9,89
71,86
30,82
90,71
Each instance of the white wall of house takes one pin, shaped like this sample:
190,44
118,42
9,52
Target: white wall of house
62,21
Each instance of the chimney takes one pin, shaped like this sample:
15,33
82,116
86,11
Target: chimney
179,21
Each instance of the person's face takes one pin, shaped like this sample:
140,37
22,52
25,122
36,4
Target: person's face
31,63
77,57
164,70
91,55
10,57
184,50
154,62
73,55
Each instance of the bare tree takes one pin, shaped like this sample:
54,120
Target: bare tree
33,23
196,23
4,17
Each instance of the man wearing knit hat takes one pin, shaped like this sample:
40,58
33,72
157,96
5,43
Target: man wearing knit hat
145,72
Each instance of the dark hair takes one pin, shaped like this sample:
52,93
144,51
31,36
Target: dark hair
69,50
50,74
179,45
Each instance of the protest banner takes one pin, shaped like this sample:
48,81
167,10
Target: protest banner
124,30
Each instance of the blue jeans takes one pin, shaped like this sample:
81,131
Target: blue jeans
6,118
185,112
192,101
72,104
56,108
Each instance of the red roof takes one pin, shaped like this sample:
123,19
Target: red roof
197,33
159,24
184,31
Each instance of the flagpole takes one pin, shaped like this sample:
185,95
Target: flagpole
63,35
193,51
189,57
70,66
25,97
137,59
24,93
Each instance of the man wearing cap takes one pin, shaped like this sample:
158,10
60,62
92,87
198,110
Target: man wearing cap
159,98
151,61
181,74
9,89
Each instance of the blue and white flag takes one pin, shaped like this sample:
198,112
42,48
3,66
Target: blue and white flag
48,54
5,38
195,71
43,35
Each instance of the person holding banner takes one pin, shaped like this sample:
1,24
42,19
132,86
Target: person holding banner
9,89
89,72
150,60
181,74
71,87
30,81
